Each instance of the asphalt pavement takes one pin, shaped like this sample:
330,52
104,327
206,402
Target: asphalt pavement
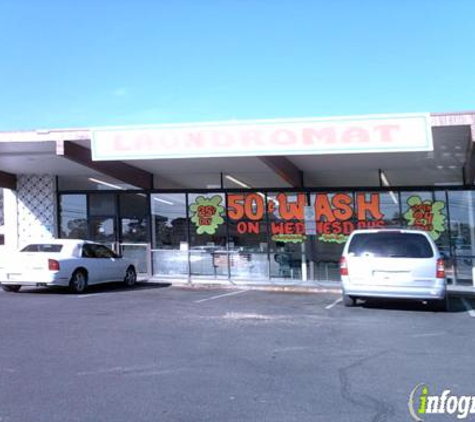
164,353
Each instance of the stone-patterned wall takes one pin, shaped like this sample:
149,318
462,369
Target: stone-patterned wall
36,207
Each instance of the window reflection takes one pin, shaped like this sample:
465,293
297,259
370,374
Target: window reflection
73,216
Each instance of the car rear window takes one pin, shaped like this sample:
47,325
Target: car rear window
43,247
391,245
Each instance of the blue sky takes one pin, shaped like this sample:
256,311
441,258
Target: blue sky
99,63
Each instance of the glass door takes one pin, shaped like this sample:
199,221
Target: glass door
121,222
103,220
208,235
134,239
104,230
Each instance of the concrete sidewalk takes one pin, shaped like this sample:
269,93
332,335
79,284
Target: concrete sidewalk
300,287
461,290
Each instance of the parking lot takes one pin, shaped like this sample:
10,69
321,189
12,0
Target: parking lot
164,353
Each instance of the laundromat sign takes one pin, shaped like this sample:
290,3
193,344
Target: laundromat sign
336,215
377,133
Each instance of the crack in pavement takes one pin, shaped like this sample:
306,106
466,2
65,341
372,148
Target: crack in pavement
383,410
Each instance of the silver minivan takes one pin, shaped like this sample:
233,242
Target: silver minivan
387,263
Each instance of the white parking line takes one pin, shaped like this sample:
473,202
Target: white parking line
83,296
331,305
469,309
220,296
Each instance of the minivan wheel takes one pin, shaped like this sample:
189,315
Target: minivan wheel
348,300
11,288
440,305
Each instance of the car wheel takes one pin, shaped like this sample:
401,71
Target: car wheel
11,288
348,300
78,283
130,277
440,305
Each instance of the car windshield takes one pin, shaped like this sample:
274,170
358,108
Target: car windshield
42,247
391,245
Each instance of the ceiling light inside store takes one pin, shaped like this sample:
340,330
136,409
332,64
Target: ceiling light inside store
163,201
110,185
385,182
384,179
237,181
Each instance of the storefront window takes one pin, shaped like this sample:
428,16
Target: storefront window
133,210
256,235
336,217
133,205
427,211
103,230
169,234
247,241
102,204
287,234
462,232
73,216
389,206
208,235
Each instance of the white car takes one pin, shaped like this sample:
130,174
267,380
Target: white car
64,262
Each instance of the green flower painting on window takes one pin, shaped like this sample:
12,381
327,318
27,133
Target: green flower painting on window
207,214
426,215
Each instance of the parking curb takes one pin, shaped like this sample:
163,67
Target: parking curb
289,289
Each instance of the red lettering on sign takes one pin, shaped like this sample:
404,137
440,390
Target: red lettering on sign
342,204
386,132
355,135
222,139
194,140
371,207
251,137
291,211
206,211
311,136
247,227
121,144
287,228
323,209
283,137
370,224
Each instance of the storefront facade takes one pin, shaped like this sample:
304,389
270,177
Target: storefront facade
264,236
246,203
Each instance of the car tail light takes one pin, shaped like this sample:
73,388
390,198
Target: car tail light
440,273
343,266
53,265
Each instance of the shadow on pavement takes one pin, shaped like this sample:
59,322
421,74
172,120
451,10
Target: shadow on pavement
454,305
95,289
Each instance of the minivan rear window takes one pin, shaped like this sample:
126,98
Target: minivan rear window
43,247
391,245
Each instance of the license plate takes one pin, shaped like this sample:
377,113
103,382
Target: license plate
391,275
13,276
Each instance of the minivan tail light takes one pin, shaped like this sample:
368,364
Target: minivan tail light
343,266
440,273
53,265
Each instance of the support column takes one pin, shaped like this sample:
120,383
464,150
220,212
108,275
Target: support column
36,202
10,215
